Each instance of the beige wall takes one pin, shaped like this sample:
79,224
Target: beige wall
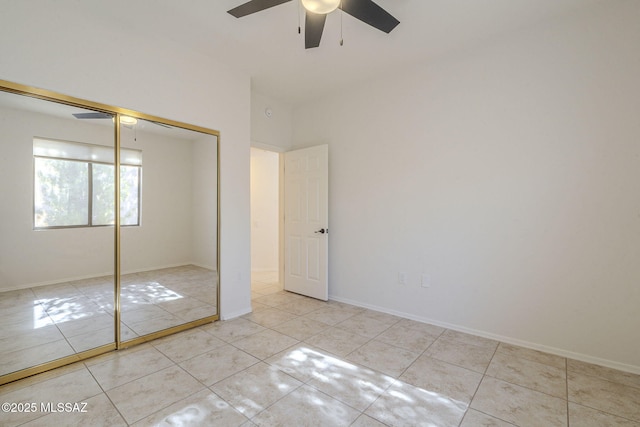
62,49
32,257
265,222
510,175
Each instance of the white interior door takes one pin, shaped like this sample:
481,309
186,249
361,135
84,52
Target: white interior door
306,221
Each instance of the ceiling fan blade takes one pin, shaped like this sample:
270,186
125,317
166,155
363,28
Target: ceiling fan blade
369,12
161,124
313,27
254,6
95,115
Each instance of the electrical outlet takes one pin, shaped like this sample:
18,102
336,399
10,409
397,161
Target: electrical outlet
402,278
425,281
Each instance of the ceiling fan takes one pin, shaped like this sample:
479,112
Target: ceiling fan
316,13
124,120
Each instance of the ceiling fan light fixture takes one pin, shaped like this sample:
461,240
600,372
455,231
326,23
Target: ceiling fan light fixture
321,7
126,120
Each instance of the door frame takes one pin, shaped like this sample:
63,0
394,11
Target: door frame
281,203
280,151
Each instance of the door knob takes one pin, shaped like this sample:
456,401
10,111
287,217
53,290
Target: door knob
322,231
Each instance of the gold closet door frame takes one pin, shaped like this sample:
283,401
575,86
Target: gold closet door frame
47,95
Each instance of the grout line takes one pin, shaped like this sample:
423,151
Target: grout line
369,340
489,415
106,395
484,374
566,382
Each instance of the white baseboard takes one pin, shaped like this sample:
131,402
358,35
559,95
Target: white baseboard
84,277
235,314
508,340
208,267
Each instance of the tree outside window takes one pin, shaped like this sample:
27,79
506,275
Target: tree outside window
77,192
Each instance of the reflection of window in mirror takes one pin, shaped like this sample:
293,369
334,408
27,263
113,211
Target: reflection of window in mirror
74,185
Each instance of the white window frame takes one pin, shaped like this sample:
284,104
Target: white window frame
89,154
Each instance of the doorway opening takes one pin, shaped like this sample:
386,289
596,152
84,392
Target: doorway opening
265,223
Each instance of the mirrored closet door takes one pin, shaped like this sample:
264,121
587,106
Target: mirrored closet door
169,227
56,246
77,280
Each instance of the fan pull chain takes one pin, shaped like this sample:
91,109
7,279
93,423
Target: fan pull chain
341,14
299,32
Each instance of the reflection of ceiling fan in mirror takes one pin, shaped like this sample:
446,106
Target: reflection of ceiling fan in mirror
124,120
316,13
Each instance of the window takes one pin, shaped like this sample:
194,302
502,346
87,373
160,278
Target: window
74,185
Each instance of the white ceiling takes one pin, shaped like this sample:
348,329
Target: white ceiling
266,44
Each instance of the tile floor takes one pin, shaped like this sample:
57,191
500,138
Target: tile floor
295,361
49,322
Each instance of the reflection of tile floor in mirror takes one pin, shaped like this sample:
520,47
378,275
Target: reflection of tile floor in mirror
49,322
298,361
